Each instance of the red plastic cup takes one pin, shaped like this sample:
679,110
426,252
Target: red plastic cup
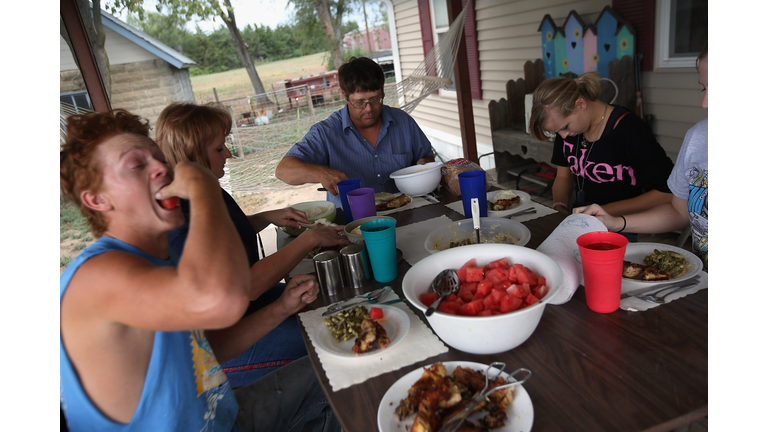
602,259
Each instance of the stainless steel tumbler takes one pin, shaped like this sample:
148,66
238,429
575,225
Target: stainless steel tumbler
355,263
329,274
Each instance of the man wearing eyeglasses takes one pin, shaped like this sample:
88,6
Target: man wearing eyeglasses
366,139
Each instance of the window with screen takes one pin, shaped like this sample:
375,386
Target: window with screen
683,32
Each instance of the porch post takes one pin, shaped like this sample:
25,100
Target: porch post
83,55
463,91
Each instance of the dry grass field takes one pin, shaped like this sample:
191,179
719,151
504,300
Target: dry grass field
235,83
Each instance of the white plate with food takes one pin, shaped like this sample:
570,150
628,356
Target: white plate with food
507,195
636,253
519,413
387,202
395,322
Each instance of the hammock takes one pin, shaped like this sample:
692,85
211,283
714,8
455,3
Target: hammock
432,74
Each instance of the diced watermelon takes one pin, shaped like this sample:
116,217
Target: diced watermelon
499,263
428,298
541,281
520,291
524,275
449,306
503,285
462,273
509,304
475,274
497,275
472,286
471,308
376,313
489,301
451,298
531,299
498,295
512,275
465,294
470,263
540,291
484,312
484,287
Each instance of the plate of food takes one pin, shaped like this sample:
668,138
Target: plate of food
399,402
374,334
386,201
651,263
503,202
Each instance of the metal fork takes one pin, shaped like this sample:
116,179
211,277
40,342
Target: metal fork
661,299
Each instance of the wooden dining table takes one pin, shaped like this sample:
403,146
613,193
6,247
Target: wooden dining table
620,371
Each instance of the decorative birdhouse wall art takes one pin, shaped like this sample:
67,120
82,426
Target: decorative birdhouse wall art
548,29
577,47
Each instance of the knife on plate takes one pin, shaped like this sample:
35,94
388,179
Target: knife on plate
643,291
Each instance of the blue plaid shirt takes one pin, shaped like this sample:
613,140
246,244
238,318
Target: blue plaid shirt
336,143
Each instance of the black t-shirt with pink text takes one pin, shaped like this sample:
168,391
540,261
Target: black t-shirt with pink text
625,162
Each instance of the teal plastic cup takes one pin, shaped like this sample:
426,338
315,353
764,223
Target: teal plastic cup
379,236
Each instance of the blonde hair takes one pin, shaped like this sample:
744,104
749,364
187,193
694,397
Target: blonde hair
184,130
560,95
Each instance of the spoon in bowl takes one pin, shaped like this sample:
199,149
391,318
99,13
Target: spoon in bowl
444,284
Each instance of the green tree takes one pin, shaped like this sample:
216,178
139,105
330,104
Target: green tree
168,29
330,14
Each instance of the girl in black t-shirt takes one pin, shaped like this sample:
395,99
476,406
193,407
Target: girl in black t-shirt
605,154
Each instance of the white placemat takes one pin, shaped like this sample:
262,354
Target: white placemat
416,201
561,247
541,210
420,343
633,304
410,238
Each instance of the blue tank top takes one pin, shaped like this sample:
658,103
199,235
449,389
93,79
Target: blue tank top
185,388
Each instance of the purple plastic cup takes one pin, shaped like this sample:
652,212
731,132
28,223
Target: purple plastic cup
361,203
344,187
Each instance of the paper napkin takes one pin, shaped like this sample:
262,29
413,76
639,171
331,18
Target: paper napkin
416,201
458,206
419,343
561,246
410,238
633,304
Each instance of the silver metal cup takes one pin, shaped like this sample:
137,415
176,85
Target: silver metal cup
355,261
329,274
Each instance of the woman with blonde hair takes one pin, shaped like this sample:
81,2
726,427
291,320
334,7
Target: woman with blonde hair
689,183
197,133
604,153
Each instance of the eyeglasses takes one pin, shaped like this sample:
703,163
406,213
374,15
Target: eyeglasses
362,103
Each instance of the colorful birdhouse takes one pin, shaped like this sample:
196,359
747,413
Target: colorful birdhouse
561,59
574,43
607,25
589,43
625,41
548,30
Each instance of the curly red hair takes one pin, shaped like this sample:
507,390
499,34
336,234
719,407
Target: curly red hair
79,170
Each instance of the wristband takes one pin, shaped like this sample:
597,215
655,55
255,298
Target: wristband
625,224
560,204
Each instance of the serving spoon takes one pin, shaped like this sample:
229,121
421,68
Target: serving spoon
445,283
476,217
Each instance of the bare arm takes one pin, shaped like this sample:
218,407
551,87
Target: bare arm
664,218
208,289
425,159
295,171
272,269
637,204
230,342
562,189
281,217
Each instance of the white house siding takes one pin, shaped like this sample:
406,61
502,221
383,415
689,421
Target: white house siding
507,34
119,49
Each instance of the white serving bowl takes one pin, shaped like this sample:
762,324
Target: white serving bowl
418,179
358,238
483,335
491,230
329,214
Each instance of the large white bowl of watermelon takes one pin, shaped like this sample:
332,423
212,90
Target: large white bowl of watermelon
502,295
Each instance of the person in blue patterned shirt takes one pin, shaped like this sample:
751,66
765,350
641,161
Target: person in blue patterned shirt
366,139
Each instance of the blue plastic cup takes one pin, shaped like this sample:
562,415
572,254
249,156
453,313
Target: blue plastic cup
473,185
379,236
344,187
